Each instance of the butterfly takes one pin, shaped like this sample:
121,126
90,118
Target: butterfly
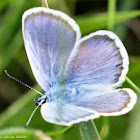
78,75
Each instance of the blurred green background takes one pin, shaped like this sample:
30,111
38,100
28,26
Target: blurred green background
16,101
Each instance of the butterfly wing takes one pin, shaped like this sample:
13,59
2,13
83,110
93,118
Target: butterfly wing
67,114
49,37
78,108
98,59
96,66
110,103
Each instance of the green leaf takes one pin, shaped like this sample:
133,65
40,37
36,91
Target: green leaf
3,4
89,23
11,51
19,111
10,22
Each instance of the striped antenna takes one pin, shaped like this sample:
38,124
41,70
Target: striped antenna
21,82
39,104
31,116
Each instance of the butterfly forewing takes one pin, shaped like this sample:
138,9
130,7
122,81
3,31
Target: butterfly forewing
49,37
98,59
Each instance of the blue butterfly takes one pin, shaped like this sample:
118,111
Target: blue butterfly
78,75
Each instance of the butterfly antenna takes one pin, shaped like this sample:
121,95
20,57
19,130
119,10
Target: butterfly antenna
21,82
31,116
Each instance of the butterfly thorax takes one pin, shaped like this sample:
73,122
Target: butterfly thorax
56,94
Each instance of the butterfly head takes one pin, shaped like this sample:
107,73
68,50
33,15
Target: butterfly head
40,101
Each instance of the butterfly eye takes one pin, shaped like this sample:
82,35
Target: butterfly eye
44,101
40,101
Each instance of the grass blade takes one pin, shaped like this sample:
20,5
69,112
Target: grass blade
88,131
111,14
92,22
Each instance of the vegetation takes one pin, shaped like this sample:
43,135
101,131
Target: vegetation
16,101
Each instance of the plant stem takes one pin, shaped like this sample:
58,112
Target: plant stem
132,85
111,14
45,3
88,131
104,132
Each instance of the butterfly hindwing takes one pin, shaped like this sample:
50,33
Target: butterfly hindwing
66,114
109,103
